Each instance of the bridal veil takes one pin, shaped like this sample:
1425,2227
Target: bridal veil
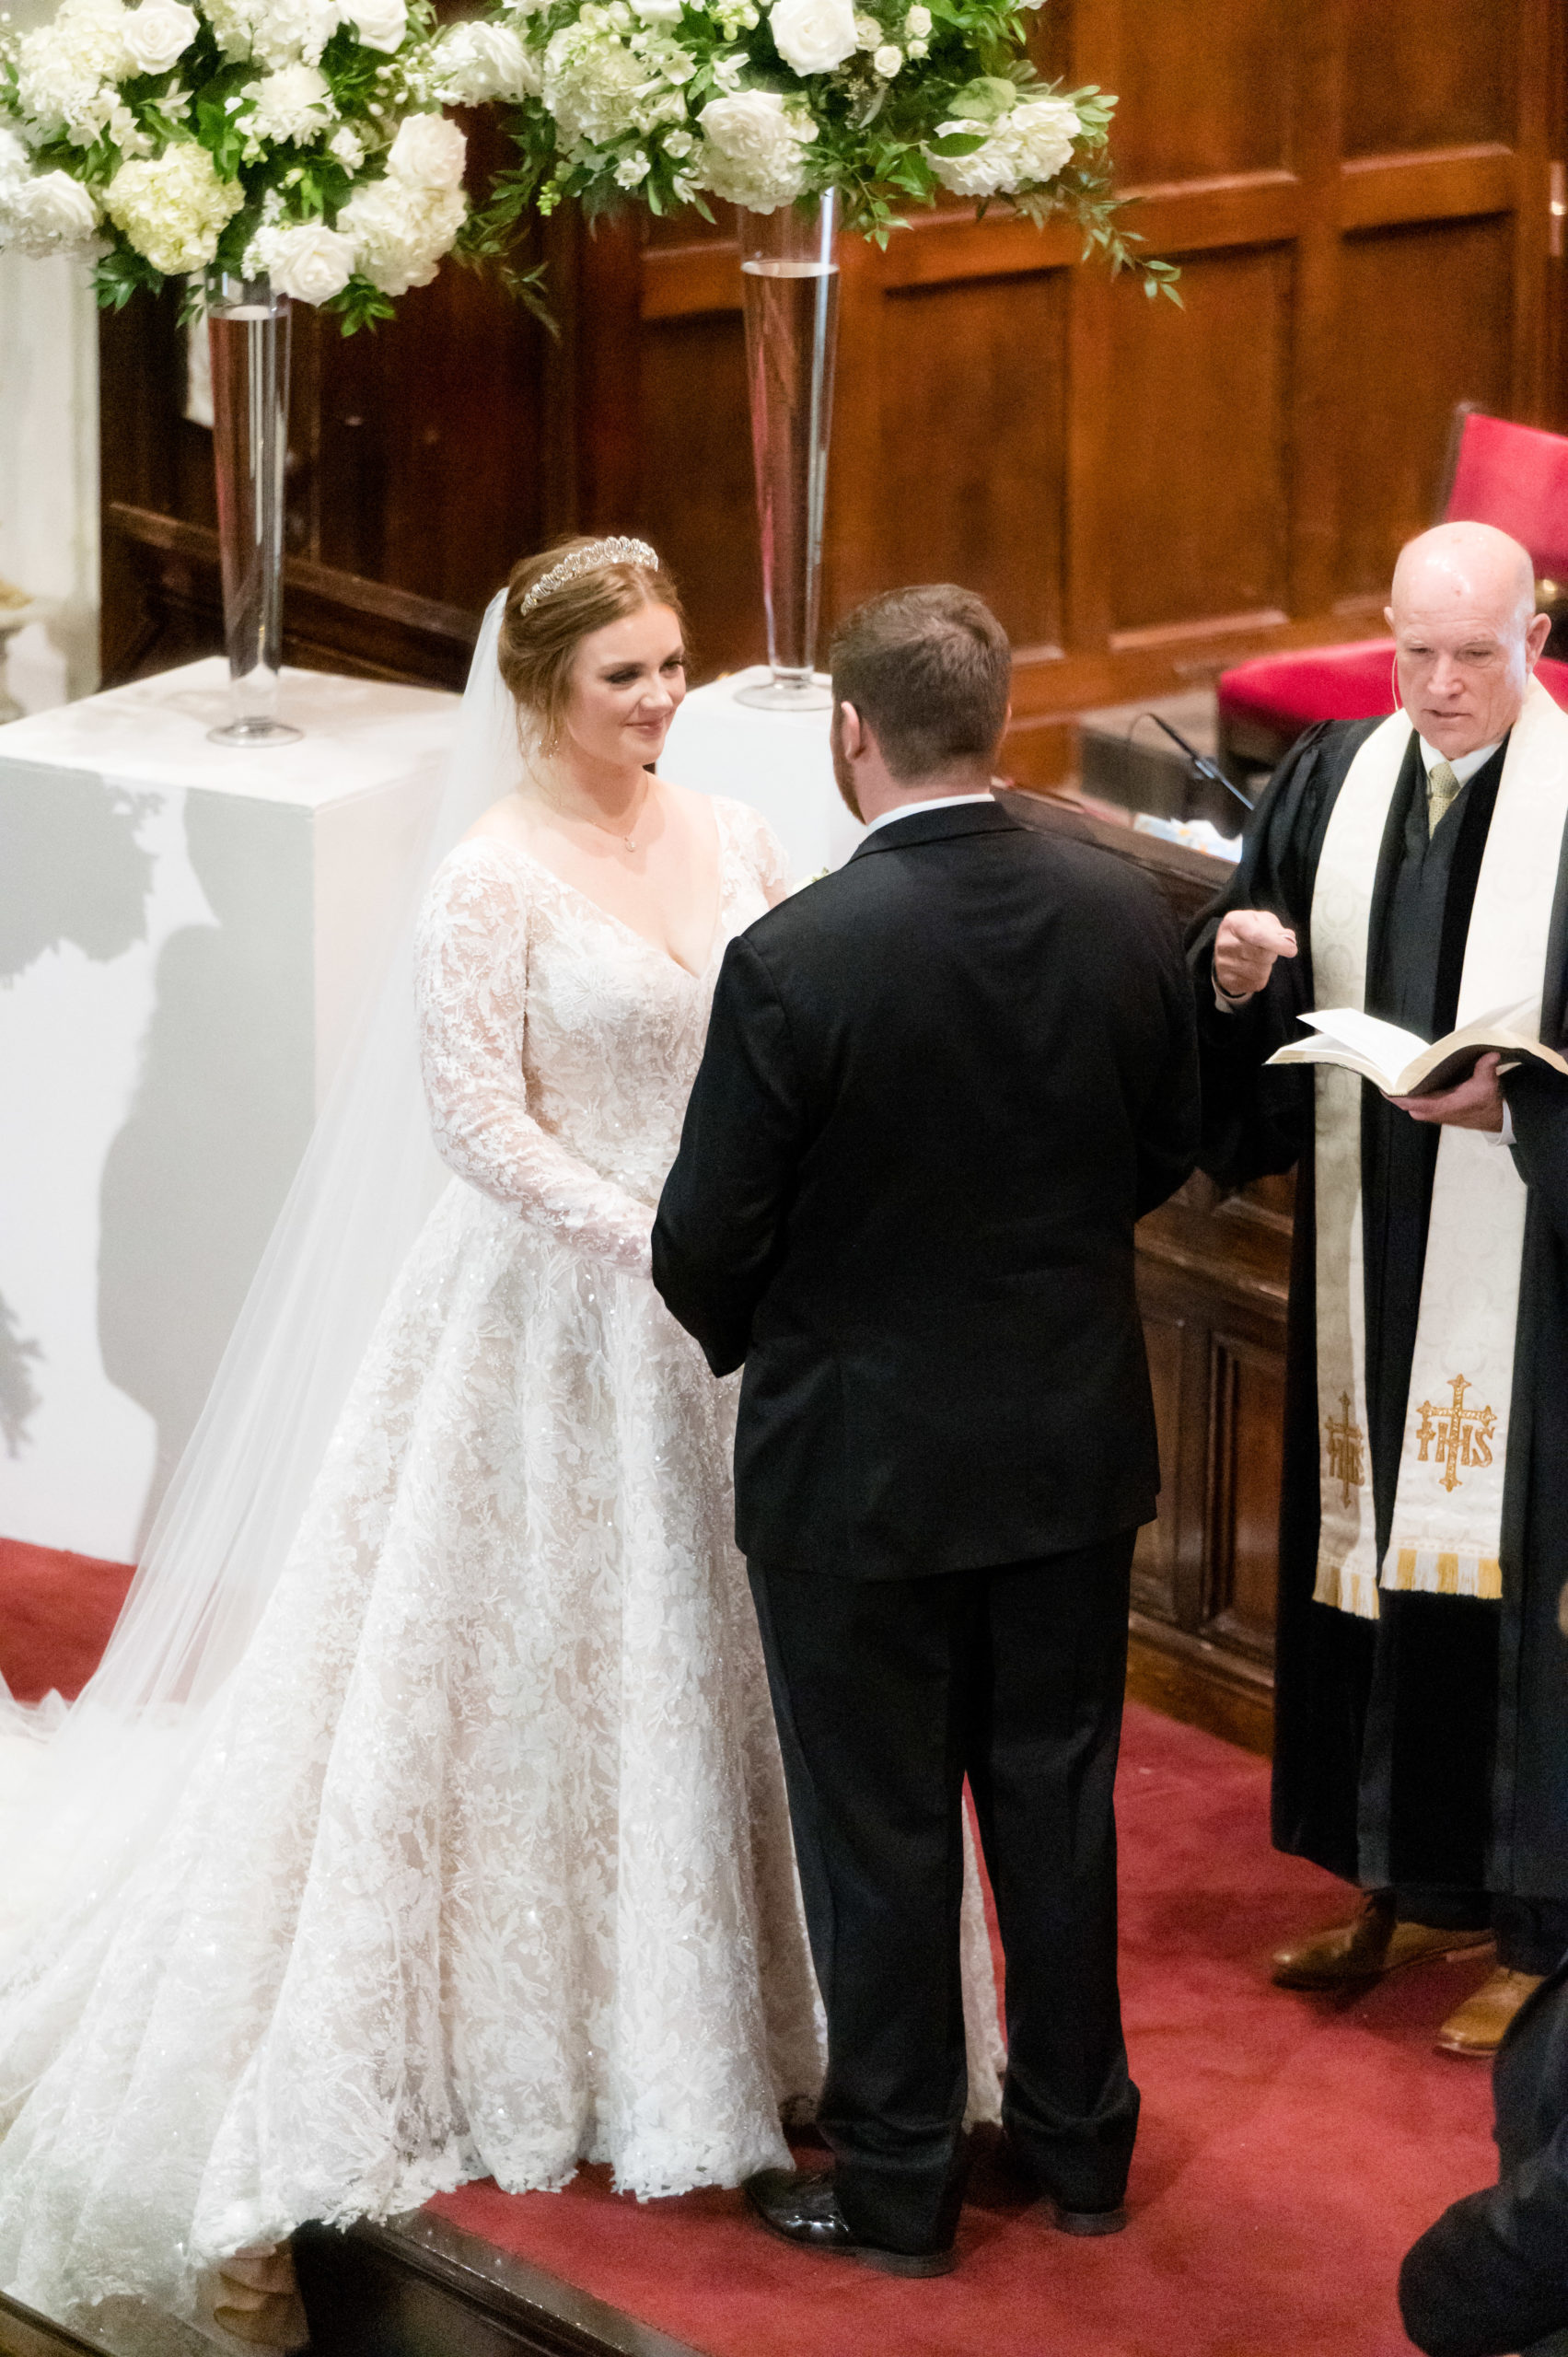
86,1788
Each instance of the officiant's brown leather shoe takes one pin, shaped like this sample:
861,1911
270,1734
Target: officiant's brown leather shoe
1349,1956
800,2206
1477,2026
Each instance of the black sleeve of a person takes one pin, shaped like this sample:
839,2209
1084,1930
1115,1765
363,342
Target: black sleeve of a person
1538,1099
1170,1120
721,1215
1492,2275
1256,1120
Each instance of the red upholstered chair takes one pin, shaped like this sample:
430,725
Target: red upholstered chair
1513,476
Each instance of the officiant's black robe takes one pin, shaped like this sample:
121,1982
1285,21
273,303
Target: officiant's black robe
1428,1748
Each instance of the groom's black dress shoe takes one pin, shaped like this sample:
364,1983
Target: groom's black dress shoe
800,2206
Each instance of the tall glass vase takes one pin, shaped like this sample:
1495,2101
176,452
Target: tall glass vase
789,283
249,326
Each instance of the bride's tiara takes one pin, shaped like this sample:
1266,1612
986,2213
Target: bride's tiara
588,559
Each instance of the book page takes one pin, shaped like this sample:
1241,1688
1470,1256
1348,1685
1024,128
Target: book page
1381,1050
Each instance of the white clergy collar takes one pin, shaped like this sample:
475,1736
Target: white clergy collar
918,810
1465,767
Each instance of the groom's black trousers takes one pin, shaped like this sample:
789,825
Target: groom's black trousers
888,1693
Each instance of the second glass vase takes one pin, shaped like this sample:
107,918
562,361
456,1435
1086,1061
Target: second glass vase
790,287
248,327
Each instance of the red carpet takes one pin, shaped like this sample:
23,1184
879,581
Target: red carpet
56,1612
1290,2147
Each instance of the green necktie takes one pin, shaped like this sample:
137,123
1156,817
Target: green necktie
1441,787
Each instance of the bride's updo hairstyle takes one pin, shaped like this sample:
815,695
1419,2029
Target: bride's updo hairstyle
556,599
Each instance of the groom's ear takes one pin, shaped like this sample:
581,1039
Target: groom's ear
851,732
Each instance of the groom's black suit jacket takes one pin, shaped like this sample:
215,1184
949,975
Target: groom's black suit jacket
939,1087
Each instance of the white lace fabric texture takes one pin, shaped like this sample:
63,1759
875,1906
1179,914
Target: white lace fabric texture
485,1867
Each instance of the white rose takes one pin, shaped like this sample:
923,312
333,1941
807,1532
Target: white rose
1040,133
428,152
348,147
632,170
478,63
867,33
157,33
752,152
918,22
887,60
52,215
813,36
380,24
310,261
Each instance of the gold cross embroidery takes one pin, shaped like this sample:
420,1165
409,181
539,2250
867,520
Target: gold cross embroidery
1345,1442
1462,1433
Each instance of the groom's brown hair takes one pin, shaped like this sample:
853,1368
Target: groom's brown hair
928,670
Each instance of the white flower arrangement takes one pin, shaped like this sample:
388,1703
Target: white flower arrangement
762,101
301,140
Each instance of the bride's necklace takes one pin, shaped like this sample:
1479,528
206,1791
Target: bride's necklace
626,836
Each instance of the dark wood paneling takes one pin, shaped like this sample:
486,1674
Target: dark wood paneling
696,504
1432,305
1246,1412
1194,514
990,514
1420,76
1232,61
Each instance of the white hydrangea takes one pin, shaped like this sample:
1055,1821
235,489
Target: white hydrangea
294,102
753,150
67,71
428,153
157,34
50,215
303,259
174,208
476,63
1029,143
16,163
275,32
813,36
348,147
400,232
591,84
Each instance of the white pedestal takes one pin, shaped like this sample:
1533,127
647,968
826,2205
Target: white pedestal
779,762
183,931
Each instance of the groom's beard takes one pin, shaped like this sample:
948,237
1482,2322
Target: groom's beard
844,776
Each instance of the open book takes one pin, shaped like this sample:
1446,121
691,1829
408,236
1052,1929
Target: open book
1402,1064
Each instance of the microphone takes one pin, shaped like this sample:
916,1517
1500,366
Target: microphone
1200,761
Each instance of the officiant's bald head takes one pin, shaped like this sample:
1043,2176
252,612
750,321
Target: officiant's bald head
1466,634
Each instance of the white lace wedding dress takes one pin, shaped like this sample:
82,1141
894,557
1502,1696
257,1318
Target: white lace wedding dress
485,1867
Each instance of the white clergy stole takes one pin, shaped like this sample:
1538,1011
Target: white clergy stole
1448,1504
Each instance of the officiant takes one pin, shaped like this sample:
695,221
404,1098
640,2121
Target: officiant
1414,866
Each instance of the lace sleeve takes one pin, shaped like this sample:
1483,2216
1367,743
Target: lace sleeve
471,985
760,849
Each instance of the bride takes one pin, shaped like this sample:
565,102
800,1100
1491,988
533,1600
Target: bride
427,1820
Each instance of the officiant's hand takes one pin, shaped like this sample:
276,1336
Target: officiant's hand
1476,1104
1245,946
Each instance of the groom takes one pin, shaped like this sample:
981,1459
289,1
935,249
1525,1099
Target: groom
939,1087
